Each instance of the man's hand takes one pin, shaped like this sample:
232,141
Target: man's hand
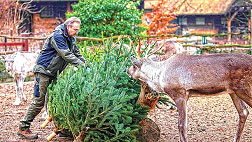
88,69
75,68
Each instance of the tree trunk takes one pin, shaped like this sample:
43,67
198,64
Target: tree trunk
229,30
230,19
150,131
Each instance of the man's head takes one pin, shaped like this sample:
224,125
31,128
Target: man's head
73,26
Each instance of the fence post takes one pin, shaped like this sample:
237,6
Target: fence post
25,41
5,41
26,45
204,40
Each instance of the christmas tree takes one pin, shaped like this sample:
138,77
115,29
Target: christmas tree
98,104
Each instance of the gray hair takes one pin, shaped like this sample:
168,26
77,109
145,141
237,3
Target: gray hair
72,20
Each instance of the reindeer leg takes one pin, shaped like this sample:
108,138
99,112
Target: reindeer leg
17,101
243,114
242,94
181,104
21,85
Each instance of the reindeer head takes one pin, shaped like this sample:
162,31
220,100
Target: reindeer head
140,68
133,71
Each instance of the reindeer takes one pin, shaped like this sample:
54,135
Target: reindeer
19,66
182,76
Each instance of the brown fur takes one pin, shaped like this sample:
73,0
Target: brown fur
182,76
148,97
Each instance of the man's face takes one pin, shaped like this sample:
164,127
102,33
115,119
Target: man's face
73,29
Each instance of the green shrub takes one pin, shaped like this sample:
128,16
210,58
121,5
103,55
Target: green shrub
4,76
108,17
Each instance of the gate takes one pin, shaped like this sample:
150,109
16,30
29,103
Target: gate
10,47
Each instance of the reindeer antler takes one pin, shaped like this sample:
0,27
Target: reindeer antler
131,42
159,48
139,49
149,48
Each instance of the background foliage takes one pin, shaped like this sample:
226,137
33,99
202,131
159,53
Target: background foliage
160,19
108,17
3,73
100,104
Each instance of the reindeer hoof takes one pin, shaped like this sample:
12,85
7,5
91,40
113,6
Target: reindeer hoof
25,99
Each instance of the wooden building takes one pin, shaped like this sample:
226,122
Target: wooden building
52,13
209,16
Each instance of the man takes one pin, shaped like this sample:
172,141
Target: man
58,50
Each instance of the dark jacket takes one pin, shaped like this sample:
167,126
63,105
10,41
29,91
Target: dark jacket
58,50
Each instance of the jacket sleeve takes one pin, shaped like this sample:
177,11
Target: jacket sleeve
60,45
78,55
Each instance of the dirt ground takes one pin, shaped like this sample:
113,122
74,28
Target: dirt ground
211,119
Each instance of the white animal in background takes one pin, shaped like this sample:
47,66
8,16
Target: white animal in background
19,65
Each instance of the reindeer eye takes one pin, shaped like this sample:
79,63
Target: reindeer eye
135,67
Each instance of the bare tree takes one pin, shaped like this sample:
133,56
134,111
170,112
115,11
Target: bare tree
236,8
14,15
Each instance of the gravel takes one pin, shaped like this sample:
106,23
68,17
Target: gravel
210,119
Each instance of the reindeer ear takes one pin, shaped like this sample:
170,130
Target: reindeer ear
136,62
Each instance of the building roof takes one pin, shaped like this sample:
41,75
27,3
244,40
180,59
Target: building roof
49,0
197,7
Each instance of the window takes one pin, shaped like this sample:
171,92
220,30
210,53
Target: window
200,21
183,21
59,10
53,9
47,12
223,21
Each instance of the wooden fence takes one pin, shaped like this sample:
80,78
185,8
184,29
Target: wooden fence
10,44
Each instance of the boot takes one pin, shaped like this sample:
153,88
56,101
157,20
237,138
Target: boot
27,134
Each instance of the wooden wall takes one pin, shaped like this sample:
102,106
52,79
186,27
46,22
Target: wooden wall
43,26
